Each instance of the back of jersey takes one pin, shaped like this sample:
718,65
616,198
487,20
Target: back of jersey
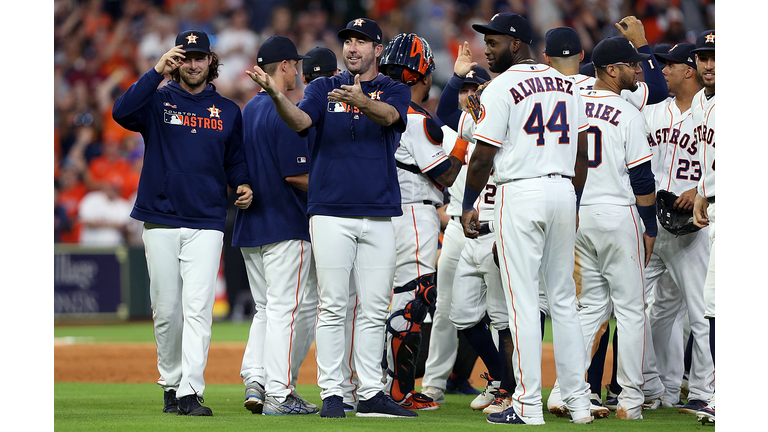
617,142
533,113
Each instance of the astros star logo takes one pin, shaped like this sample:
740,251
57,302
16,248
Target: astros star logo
710,38
470,74
192,38
359,22
375,95
214,111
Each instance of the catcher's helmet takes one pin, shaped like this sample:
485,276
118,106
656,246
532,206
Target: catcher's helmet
407,58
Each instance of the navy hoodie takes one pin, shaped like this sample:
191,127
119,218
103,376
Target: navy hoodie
352,168
193,149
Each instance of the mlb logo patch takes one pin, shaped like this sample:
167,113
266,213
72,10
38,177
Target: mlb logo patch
301,160
336,106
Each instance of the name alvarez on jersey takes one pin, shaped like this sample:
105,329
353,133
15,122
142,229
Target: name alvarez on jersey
535,85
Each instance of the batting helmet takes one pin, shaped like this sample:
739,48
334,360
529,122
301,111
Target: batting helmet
407,58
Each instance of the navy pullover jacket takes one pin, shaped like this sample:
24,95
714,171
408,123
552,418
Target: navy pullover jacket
352,169
193,149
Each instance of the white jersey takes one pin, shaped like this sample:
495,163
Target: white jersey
487,199
420,151
456,191
703,113
617,142
532,113
675,164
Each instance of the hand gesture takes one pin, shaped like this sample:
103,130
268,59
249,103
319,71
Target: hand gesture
632,29
464,62
263,80
685,201
648,242
700,216
469,221
349,94
170,61
245,198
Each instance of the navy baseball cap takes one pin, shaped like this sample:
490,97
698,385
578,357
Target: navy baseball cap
319,60
511,24
705,41
362,26
680,53
661,48
616,50
194,41
587,69
276,49
477,75
562,42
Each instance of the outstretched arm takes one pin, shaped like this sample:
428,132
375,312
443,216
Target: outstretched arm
377,111
291,114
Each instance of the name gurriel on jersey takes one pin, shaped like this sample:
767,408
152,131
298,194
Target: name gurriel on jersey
535,85
603,112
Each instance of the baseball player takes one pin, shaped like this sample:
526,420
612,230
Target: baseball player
476,273
703,113
277,261
423,169
563,51
353,194
611,247
443,344
532,131
684,256
182,200
322,63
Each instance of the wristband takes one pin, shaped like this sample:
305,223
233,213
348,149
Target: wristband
470,196
459,150
648,215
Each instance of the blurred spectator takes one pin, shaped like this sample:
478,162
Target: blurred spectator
71,191
104,215
236,46
61,221
111,165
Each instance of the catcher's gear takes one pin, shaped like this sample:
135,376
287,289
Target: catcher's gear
677,222
407,58
406,343
476,110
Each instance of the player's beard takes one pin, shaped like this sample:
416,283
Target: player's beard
503,62
628,81
362,66
194,82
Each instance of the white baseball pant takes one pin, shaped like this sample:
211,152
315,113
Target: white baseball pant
183,265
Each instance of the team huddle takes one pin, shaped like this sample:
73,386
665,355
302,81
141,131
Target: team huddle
553,182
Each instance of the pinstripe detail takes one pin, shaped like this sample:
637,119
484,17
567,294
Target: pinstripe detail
641,257
512,297
293,313
416,230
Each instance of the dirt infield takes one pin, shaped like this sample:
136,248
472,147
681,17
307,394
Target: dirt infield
137,363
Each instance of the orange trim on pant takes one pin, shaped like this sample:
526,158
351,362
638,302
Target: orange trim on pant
641,256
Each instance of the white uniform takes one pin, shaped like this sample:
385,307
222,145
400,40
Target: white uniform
477,276
703,112
638,99
533,114
305,336
678,167
443,342
609,241
418,229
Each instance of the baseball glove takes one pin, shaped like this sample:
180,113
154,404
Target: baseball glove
473,103
676,222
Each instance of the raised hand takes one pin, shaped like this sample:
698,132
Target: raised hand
263,80
170,61
349,94
464,62
632,29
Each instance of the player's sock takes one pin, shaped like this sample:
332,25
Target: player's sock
466,357
479,336
543,318
712,338
506,348
688,355
615,387
597,366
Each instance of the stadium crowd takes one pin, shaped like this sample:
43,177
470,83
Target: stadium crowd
101,47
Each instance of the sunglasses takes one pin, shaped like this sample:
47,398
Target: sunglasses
632,65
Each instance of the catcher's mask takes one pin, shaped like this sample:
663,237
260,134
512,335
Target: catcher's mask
407,58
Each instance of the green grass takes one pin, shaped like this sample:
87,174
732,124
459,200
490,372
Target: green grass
138,407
